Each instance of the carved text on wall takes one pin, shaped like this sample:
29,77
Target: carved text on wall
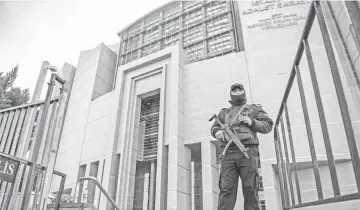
264,5
279,20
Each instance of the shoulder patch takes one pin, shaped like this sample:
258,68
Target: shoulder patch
247,106
258,105
225,109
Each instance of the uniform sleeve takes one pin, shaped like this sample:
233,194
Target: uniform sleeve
215,127
262,123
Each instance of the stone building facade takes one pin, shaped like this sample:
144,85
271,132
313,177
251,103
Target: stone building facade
138,112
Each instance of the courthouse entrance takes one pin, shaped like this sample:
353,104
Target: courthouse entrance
145,178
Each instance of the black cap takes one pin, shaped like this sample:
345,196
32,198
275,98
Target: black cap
237,85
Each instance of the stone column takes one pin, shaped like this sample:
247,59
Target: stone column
179,164
100,177
146,191
152,185
40,82
132,153
209,175
85,191
161,179
163,152
179,172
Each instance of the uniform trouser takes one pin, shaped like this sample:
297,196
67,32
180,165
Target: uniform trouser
233,165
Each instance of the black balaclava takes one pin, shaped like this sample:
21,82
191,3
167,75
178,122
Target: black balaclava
238,99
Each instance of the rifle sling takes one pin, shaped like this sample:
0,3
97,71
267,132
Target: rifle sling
237,115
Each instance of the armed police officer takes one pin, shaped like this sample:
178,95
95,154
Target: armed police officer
245,120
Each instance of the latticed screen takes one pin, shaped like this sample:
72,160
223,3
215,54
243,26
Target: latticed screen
149,127
204,29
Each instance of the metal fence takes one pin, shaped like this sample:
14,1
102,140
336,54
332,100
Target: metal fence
18,128
284,144
26,136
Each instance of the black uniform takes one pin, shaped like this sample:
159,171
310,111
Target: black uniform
235,164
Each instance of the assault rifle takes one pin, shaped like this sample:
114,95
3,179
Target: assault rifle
233,138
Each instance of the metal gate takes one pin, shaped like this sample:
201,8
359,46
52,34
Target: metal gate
287,165
29,135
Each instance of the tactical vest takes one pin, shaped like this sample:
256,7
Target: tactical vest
242,130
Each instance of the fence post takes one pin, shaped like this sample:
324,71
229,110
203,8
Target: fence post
37,142
354,153
34,156
325,132
283,186
309,134
297,184
288,168
54,141
62,185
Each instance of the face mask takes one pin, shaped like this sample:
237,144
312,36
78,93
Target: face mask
238,95
238,98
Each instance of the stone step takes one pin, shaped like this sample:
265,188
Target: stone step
344,205
73,206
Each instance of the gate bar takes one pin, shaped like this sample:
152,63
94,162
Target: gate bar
292,150
5,188
309,134
62,184
288,168
324,128
354,153
281,181
27,192
283,169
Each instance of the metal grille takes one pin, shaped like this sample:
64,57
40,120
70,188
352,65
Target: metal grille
216,7
149,126
219,44
193,35
204,29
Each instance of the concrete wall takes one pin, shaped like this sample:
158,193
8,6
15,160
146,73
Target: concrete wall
263,69
342,18
89,125
105,73
207,84
347,58
308,187
106,129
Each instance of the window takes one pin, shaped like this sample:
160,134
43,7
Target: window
149,126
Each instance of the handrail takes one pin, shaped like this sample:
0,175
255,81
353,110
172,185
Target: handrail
37,103
285,165
101,189
305,34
